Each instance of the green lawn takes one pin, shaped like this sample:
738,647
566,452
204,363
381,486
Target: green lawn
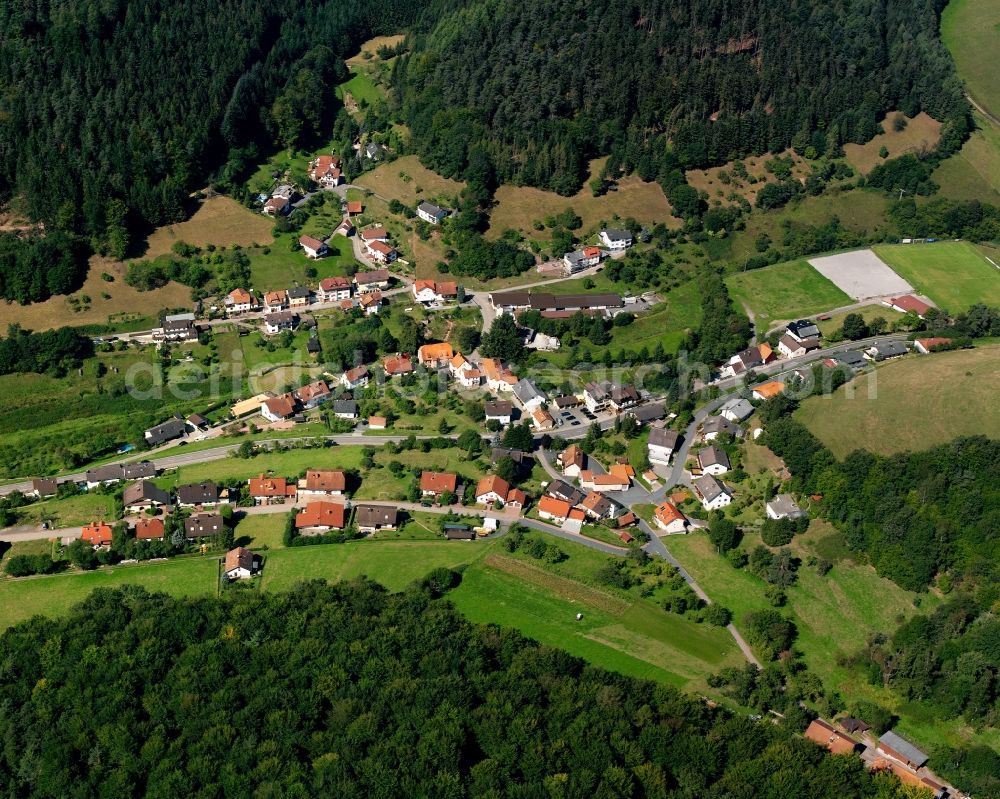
23,598
361,88
973,173
955,274
970,30
279,464
785,291
256,532
393,564
829,326
68,512
643,641
866,413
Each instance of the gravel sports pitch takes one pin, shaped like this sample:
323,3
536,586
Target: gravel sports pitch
861,274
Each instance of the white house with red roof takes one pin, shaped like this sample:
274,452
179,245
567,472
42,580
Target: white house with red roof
312,247
325,170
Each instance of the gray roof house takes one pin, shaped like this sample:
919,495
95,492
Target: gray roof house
648,413
661,437
431,213
894,746
714,460
528,394
802,329
562,490
713,493
784,506
716,426
169,430
853,359
885,350
144,494
345,409
206,493
736,409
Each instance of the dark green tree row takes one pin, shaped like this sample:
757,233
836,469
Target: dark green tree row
351,692
542,88
55,350
33,269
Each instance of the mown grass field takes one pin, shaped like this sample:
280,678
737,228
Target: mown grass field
218,220
279,266
869,312
951,393
973,173
920,135
970,29
518,206
954,274
25,597
68,512
784,291
360,87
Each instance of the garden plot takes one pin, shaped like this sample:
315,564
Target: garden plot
861,274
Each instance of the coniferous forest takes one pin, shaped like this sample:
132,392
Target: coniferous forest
348,691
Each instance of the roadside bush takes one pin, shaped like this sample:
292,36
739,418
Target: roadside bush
25,565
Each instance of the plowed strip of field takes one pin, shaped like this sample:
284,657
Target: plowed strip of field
562,587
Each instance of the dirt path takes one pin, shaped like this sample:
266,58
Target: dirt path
982,110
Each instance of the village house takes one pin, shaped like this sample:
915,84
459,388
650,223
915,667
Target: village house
573,460
325,171
177,327
376,280
424,291
345,409
435,356
312,395
377,233
459,364
320,517
397,365
645,414
470,378
518,456
371,302
333,289
203,525
280,320
299,296
597,506
852,360
275,301
277,409
791,347
322,484
564,491
555,305
431,213
886,350
196,422
616,239
736,409
355,207
168,431
240,564
114,472
907,304
669,519
713,460
271,490
355,378
373,518
592,481
374,151
528,395
542,419
500,411
552,509
783,506
147,529
802,330
492,490
203,494
459,532
713,494
380,252
434,484
567,401
143,494
715,426
97,534
313,247
926,345
240,301
498,377
377,422
277,206
766,391
661,446
578,260
42,487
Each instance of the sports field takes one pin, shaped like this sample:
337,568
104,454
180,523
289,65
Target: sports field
785,291
954,274
920,401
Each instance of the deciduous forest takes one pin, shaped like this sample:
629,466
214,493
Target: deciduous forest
349,691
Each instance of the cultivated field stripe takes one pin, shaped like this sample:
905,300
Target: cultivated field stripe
560,586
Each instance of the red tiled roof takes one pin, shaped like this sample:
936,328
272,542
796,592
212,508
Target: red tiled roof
667,513
280,406
331,283
268,487
910,303
493,483
557,507
326,480
148,529
96,534
398,365
321,514
312,391
374,233
438,481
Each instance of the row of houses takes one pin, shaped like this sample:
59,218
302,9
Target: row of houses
196,527
556,306
329,290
